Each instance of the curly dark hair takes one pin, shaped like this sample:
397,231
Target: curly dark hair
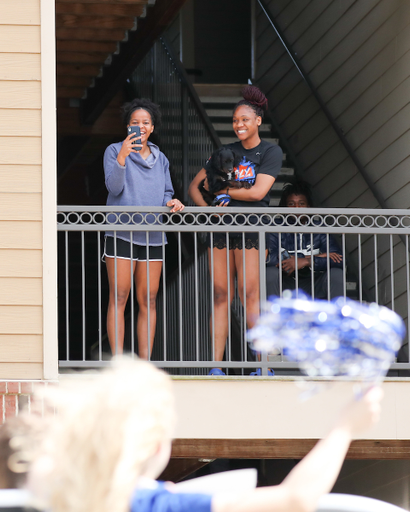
144,104
299,188
253,97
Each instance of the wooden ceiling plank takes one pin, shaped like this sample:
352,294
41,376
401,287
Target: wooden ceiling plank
86,46
70,92
78,70
90,34
117,2
81,57
72,81
100,9
130,55
100,22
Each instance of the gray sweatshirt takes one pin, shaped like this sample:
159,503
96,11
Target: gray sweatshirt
139,183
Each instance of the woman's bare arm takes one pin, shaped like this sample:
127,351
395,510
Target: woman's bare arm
193,189
257,192
316,474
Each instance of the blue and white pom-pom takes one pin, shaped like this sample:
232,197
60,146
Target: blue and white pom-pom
327,339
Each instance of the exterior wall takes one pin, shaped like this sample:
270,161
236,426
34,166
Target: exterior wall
357,55
272,408
22,123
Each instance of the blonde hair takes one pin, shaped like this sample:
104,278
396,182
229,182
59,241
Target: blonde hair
107,429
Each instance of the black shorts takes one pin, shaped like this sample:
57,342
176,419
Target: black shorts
235,240
139,252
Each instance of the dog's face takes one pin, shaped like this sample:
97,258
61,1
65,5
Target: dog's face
225,160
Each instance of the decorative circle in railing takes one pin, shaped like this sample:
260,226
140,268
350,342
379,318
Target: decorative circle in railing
405,222
188,219
86,218
61,218
98,218
355,221
394,221
368,221
316,220
381,222
342,221
73,218
330,220
176,219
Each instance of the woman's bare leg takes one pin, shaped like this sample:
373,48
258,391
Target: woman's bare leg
221,303
124,276
251,289
155,268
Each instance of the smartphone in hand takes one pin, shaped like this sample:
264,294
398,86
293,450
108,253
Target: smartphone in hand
135,129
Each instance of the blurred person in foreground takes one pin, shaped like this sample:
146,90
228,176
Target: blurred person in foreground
112,437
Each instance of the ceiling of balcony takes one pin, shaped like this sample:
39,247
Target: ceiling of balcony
88,34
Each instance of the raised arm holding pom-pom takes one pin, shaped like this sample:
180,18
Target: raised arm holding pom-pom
316,474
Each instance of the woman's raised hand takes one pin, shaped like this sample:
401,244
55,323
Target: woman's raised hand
128,147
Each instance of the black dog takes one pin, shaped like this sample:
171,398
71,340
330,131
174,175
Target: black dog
221,174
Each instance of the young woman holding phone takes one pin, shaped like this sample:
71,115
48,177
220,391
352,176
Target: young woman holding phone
136,175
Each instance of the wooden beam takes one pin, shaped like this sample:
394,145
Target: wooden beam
283,449
86,46
73,81
106,22
70,92
90,34
178,469
130,55
100,9
82,57
139,2
78,70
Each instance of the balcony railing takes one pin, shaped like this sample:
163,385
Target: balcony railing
374,246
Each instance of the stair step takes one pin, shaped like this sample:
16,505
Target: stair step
230,140
287,171
229,100
217,89
219,112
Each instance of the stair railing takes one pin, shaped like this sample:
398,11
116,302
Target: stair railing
187,136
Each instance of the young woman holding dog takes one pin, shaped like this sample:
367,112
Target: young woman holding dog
135,175
261,163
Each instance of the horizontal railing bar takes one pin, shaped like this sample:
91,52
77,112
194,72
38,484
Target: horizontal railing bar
285,365
231,209
231,229
192,364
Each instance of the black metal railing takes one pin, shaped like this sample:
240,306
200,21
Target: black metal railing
187,136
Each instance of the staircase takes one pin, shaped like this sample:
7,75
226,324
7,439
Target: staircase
219,101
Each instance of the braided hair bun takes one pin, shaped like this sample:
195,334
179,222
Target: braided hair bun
253,97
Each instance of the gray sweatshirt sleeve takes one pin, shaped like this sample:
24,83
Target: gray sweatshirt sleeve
169,189
114,172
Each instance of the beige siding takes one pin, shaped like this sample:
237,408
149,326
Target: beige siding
357,55
21,286
20,263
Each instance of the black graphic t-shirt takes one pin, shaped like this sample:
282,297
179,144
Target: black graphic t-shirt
266,158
